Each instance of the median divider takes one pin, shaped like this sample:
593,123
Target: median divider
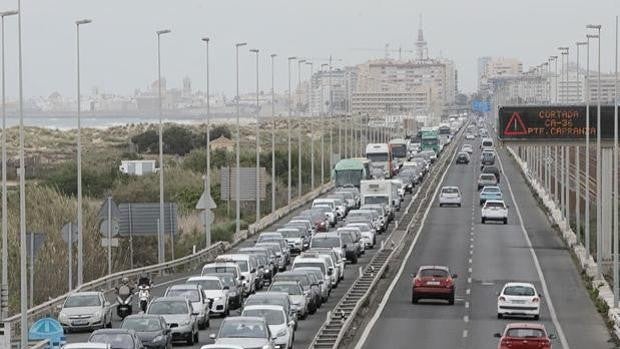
190,262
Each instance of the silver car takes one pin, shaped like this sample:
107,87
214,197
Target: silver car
195,294
179,315
296,295
85,311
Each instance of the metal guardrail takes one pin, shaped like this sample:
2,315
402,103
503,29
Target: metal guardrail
193,261
339,320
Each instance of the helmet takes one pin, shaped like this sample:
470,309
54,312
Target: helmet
143,275
125,280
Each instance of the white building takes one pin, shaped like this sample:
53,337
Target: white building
496,67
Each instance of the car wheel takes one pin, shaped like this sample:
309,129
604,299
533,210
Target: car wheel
190,340
414,300
459,205
197,337
505,220
354,260
536,317
451,299
482,220
227,311
440,205
500,316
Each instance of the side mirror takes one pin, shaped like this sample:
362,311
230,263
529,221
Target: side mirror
330,271
195,314
253,270
454,276
59,307
226,287
241,277
497,335
291,323
344,246
552,336
212,336
167,331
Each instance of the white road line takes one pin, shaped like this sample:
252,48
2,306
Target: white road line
468,291
466,305
541,276
388,293
469,280
470,261
465,333
466,318
469,270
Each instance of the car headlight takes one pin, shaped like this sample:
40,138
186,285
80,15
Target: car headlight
62,317
97,314
158,339
217,298
184,322
281,333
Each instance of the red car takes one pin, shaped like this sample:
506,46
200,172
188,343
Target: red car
433,282
524,336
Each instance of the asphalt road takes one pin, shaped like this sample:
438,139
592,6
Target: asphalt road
307,329
485,257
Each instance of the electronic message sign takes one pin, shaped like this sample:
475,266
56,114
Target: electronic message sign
549,123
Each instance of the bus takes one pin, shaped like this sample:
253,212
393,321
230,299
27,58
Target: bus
380,157
430,140
350,172
398,147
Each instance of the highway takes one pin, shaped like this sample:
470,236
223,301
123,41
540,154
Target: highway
307,328
485,257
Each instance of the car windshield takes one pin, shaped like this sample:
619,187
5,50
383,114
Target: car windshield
435,273
325,242
495,204
377,157
116,340
449,191
525,333
264,300
207,284
219,270
346,238
273,317
488,177
310,264
519,291
303,279
291,289
242,329
369,200
290,233
168,308
142,324
83,301
191,294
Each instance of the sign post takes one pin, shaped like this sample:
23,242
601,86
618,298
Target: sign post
206,204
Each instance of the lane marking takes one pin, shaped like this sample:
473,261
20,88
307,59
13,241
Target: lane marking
465,333
469,280
541,276
469,270
466,305
466,318
468,291
371,324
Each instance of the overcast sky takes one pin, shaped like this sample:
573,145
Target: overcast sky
119,47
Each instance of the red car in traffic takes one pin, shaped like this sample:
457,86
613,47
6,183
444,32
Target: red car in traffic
433,282
524,336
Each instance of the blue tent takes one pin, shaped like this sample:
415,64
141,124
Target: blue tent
50,329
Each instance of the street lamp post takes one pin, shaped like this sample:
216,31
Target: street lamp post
238,150
273,135
4,287
564,159
599,209
587,179
256,51
290,116
331,119
616,280
160,234
310,91
322,125
79,167
299,130
22,193
208,125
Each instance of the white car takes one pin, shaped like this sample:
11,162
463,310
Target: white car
518,299
450,195
280,325
214,291
467,148
368,233
470,136
85,310
494,210
87,345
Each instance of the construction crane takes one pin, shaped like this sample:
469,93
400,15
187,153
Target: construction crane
387,51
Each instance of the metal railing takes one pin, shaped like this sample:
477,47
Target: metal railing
189,262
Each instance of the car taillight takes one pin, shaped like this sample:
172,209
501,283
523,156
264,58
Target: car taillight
448,283
417,282
535,300
502,298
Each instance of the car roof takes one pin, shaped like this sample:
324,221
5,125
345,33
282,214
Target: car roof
491,187
114,331
264,306
221,346
86,345
440,267
245,318
170,299
143,316
496,201
85,293
272,294
326,235
450,187
522,284
232,256
183,286
204,277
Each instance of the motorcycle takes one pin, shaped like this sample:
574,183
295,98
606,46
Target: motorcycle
144,295
123,297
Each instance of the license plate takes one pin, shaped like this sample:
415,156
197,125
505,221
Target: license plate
80,322
433,283
518,302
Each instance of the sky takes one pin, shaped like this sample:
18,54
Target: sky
118,50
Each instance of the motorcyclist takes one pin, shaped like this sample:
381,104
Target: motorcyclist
125,288
144,280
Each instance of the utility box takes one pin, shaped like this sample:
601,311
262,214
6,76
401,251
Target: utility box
137,167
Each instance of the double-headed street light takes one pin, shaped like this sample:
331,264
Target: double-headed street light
160,234
256,51
237,177
207,183
273,135
4,286
299,130
288,123
564,52
322,125
79,167
310,91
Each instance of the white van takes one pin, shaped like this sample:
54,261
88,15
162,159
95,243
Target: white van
487,143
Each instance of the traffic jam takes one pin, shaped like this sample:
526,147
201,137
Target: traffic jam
264,292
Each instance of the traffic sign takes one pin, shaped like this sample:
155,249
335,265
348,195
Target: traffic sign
103,212
70,227
103,228
113,242
553,123
206,202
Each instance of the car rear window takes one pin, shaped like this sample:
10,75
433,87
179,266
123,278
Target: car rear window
449,191
525,333
487,177
437,273
491,190
495,204
519,291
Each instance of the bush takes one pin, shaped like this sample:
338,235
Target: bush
95,181
178,140
147,142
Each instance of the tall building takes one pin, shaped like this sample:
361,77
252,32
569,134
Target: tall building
421,45
496,67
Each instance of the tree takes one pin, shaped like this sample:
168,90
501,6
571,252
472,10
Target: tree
178,140
147,142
